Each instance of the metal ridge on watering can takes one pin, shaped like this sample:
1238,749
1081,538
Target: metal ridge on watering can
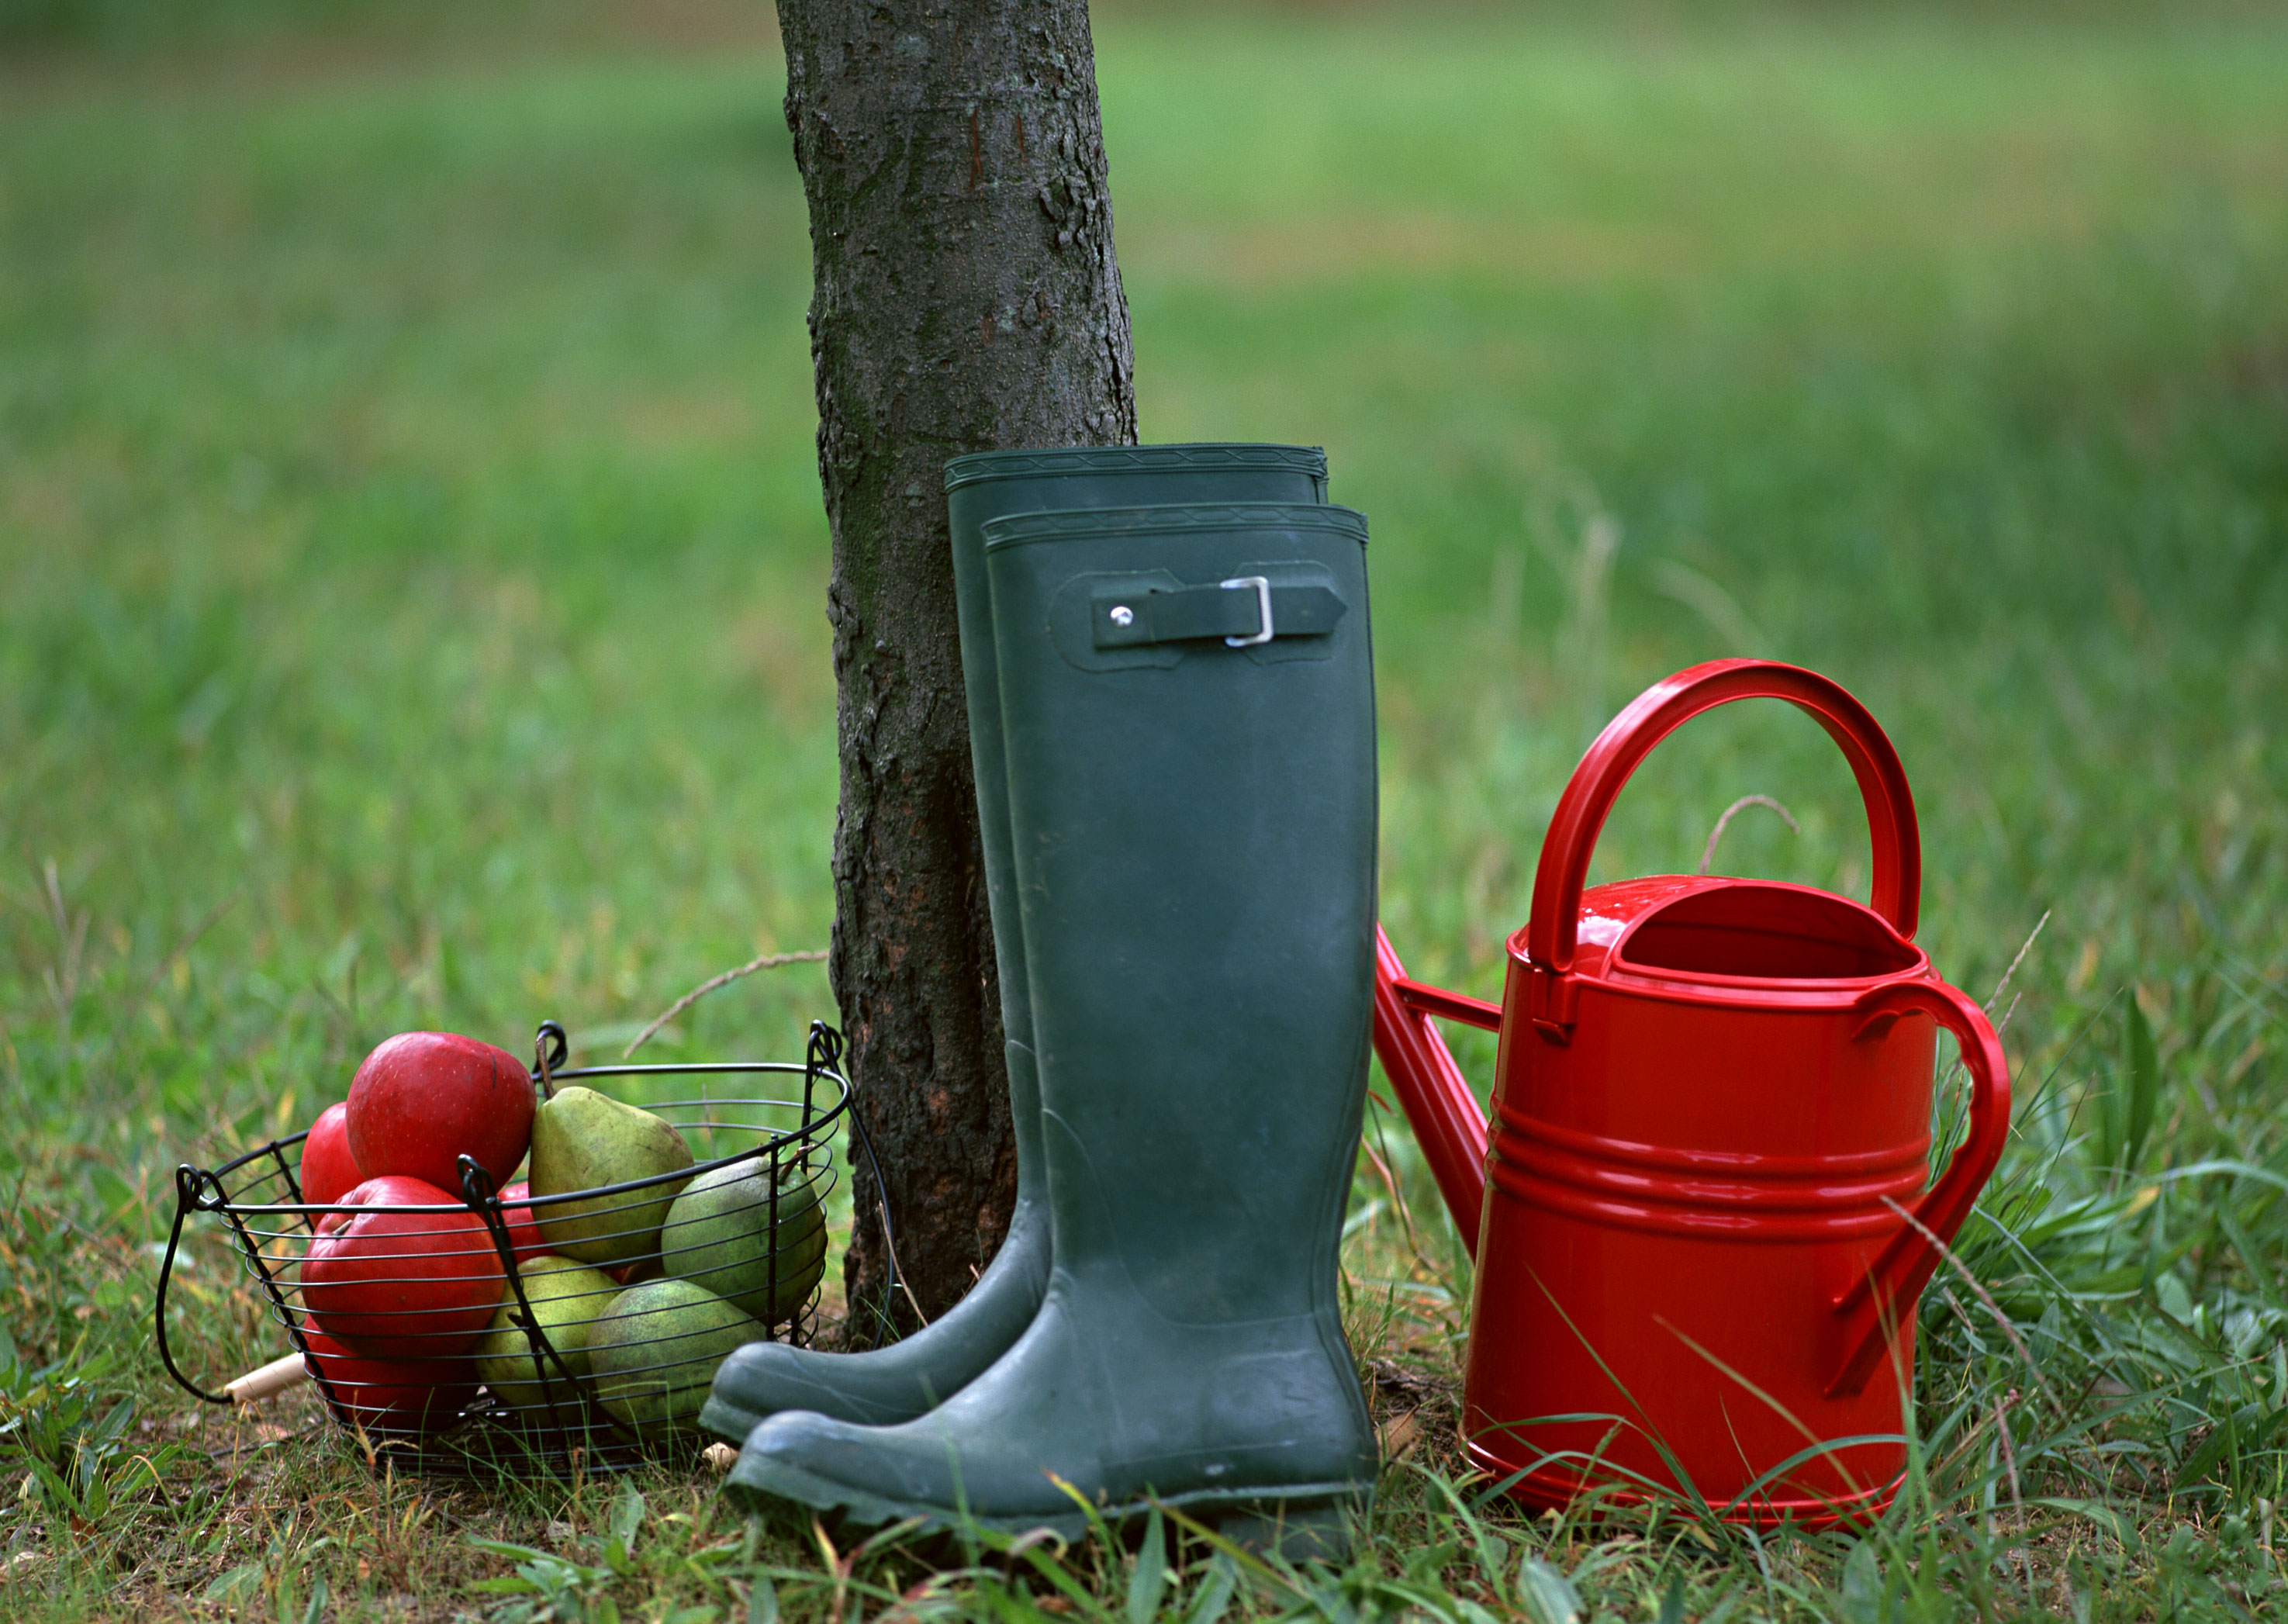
1704,1227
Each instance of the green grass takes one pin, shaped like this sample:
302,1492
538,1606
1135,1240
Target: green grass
413,616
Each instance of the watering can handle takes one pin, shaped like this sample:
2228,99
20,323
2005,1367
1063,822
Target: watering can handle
1870,1314
1552,931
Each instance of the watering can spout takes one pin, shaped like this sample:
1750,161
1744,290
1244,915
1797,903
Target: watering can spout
1437,1101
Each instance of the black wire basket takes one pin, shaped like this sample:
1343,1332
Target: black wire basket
580,1329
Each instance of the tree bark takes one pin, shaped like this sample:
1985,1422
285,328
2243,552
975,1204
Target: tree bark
965,299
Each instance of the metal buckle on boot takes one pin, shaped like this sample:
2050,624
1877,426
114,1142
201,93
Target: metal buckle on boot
1262,585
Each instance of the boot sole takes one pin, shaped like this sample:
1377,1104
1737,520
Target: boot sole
1298,1522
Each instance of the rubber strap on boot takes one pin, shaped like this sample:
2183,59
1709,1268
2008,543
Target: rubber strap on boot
1232,610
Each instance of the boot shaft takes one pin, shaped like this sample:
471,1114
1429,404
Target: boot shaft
989,485
1193,804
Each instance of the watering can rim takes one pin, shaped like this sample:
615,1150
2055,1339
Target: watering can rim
1606,963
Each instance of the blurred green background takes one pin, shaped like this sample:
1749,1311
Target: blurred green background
413,610
412,577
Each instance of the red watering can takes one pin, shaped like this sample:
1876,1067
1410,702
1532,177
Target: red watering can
1700,1226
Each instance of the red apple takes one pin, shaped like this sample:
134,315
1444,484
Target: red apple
328,1170
391,1284
424,1098
523,1234
376,1394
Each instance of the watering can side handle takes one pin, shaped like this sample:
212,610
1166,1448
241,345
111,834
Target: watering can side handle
1431,1089
1894,840
1872,1312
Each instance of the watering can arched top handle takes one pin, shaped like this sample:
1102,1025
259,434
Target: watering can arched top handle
1552,932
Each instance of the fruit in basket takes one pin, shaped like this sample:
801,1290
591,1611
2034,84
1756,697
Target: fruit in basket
388,1283
655,1351
328,1170
583,1140
719,1234
418,1395
424,1098
567,1299
524,1236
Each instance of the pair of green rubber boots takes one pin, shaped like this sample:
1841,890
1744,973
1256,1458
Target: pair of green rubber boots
1170,706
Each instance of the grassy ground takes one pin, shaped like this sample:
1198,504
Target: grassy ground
414,576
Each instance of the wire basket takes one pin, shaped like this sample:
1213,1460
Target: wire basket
580,1329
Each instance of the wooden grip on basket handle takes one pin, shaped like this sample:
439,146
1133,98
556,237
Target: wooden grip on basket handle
267,1383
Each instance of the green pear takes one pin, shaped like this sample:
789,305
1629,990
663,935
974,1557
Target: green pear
567,1299
582,1140
655,1351
719,1234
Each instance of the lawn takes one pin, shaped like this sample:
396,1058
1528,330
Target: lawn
413,616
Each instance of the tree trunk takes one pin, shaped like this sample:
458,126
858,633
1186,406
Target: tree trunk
965,299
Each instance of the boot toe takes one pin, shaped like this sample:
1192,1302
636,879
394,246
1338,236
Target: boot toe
885,1474
764,1379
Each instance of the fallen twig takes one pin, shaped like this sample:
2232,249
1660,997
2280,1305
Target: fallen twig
769,960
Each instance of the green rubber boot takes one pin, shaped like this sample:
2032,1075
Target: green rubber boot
1188,710
900,1382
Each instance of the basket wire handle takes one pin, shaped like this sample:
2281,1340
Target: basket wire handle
826,1050
477,1190
550,1049
189,1182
